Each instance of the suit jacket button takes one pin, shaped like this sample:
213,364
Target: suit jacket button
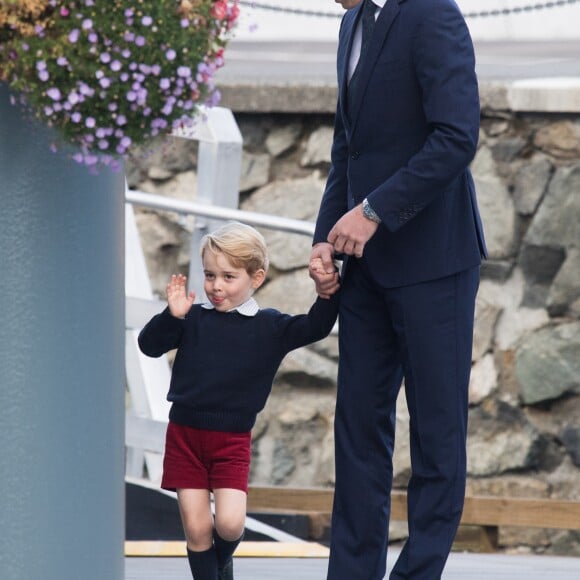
355,155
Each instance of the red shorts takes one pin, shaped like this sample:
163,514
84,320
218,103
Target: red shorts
203,459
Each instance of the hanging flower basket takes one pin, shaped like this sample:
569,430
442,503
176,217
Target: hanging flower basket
111,74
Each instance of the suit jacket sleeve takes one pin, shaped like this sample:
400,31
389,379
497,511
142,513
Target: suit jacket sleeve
444,65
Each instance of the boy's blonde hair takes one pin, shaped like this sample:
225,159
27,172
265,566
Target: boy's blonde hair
242,245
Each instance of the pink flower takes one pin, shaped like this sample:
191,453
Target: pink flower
219,10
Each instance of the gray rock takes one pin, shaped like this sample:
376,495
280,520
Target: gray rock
483,380
530,184
283,464
496,206
318,147
506,149
548,363
556,221
298,199
565,289
570,436
500,440
499,270
540,264
560,139
293,293
304,367
280,139
486,315
255,171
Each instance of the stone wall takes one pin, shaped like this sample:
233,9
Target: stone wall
524,429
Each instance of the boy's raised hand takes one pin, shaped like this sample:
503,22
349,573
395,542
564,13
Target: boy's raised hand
178,300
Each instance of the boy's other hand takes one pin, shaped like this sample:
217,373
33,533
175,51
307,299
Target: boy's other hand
178,300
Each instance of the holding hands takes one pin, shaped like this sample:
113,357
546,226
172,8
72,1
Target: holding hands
323,271
178,300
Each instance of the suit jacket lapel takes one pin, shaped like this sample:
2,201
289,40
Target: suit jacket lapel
345,48
385,20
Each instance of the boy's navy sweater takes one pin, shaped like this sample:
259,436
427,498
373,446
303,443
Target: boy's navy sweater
226,362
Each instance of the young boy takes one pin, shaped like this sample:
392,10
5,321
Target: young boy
228,351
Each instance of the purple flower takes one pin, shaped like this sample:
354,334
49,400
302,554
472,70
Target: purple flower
146,21
156,70
105,83
93,37
184,22
103,144
86,90
48,111
116,66
164,84
73,98
129,37
125,53
112,107
54,94
124,77
131,96
62,61
73,35
183,71
87,24
170,54
140,41
90,122
43,75
41,65
128,12
76,117
105,57
121,120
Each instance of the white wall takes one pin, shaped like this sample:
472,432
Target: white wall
547,24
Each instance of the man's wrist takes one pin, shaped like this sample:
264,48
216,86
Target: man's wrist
369,212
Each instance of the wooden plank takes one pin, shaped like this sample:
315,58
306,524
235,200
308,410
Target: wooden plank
173,549
535,513
481,511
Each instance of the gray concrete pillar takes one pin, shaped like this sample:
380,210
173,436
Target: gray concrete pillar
61,361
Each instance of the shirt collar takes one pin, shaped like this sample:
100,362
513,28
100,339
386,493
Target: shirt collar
248,308
379,3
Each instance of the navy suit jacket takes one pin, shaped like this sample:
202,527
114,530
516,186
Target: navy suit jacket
414,132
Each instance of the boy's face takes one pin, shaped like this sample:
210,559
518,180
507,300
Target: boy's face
225,285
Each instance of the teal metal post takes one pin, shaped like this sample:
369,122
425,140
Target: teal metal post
61,361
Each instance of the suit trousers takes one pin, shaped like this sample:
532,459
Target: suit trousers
421,333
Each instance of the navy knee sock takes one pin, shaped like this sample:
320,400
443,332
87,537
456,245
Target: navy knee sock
224,549
203,564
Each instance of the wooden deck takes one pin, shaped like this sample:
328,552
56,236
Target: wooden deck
459,567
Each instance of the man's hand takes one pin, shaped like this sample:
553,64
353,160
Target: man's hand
323,271
178,300
351,232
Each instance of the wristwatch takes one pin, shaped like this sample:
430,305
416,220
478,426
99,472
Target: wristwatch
369,212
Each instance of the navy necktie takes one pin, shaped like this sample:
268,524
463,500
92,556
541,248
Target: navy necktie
367,23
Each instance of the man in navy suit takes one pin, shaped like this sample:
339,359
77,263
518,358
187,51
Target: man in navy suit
400,208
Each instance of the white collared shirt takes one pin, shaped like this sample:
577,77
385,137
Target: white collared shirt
357,40
248,308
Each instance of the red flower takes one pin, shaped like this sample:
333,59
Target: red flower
219,10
